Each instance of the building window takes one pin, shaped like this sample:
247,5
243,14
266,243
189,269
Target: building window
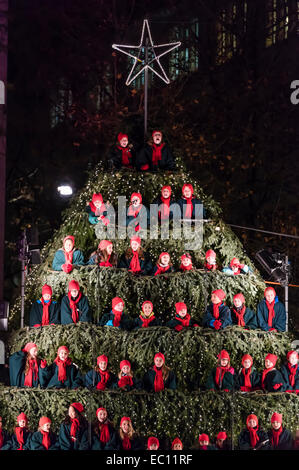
277,28
61,104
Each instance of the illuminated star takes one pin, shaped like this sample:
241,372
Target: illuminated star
146,64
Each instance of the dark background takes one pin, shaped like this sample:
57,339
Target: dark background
227,110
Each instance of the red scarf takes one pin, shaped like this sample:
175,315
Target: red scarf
184,321
253,436
1,438
117,317
135,264
62,365
74,427
203,448
45,317
104,432
247,382
157,153
106,263
210,267
146,321
104,379
189,208
126,444
216,310
134,212
164,213
159,382
293,370
271,314
265,372
161,269
220,371
240,315
68,256
125,156
275,437
46,442
20,437
73,305
125,380
32,373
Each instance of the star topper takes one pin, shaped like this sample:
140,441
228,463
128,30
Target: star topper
146,44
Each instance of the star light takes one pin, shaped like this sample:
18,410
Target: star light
147,44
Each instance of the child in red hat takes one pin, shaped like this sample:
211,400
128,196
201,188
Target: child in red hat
153,443
155,156
247,379
191,207
100,378
253,438
280,437
74,306
177,444
104,256
186,263
137,213
73,433
97,211
20,439
116,317
68,256
222,442
63,373
182,319
271,380
44,438
44,311
147,317
103,432
217,315
125,379
159,377
204,442
122,154
135,259
126,437
241,315
290,372
164,203
163,265
210,262
221,377
271,312
26,369
235,268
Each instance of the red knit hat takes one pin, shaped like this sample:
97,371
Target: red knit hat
164,253
235,262
117,300
247,356
100,409
137,195
22,417
249,417
187,185
180,306
69,237
276,417
155,132
74,285
221,435
125,418
159,355
151,441
102,358
47,290
147,302
29,346
240,297
210,253
219,293
78,406
121,136
176,441
223,355
103,244
203,437
186,256
269,289
272,358
166,187
62,348
124,363
97,197
135,239
292,352
43,420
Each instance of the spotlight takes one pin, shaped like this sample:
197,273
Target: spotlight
275,265
65,190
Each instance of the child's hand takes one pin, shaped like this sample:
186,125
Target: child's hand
43,363
217,324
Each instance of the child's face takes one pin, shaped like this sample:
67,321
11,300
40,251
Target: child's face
268,364
0,423
147,309
124,142
134,245
186,261
177,447
234,268
211,259
220,442
102,416
270,296
154,447
135,201
204,443
215,299
68,245
109,249
72,412
165,259
103,365
183,312
276,425
187,192
46,427
247,363
237,302
46,297
22,423
33,352
158,362
63,355
125,370
252,423
119,307
125,426
98,203
165,193
293,359
157,138
223,362
74,293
